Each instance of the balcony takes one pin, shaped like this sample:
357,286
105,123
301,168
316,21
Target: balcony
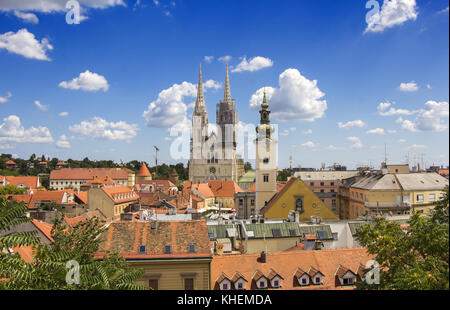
387,205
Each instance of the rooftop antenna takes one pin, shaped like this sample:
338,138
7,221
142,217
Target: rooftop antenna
156,154
385,155
290,162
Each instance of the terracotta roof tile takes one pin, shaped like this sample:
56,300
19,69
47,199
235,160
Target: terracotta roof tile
89,173
288,264
28,181
126,237
143,171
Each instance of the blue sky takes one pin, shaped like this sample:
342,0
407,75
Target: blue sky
134,52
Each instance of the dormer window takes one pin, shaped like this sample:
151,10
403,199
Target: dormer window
275,279
345,276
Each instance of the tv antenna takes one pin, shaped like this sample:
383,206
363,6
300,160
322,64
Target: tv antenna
156,154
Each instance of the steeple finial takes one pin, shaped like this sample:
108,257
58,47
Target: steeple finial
227,92
200,102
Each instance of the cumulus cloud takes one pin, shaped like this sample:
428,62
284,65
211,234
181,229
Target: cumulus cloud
12,132
392,13
24,43
434,117
357,144
5,98
285,132
383,110
418,146
212,84
208,59
332,147
349,124
63,114
409,87
297,99
41,106
309,144
63,142
87,81
225,58
376,131
254,64
170,109
99,128
27,17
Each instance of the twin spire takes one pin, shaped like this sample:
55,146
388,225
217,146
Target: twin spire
200,102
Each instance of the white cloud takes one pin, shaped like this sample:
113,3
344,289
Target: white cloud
285,132
418,146
5,98
55,6
254,64
63,114
41,106
334,148
392,131
99,128
169,108
356,123
409,87
402,140
226,58
392,13
309,144
208,59
87,81
383,106
27,17
433,118
156,2
212,84
24,43
307,132
293,129
63,142
12,132
297,98
376,131
357,144
443,11
429,86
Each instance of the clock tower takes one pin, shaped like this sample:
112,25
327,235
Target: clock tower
266,159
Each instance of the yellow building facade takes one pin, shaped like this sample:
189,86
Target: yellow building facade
296,196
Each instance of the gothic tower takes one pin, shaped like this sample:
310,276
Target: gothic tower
266,161
227,119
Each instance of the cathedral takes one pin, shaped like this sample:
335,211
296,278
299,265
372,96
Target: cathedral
213,153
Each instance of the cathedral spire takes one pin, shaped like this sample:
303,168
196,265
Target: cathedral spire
227,92
200,102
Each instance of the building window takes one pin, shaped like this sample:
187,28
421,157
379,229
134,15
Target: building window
332,183
189,284
240,286
332,191
322,183
153,284
312,183
420,198
241,202
266,160
348,281
252,202
432,197
333,202
225,286
276,283
361,196
322,191
262,284
299,204
266,178
304,281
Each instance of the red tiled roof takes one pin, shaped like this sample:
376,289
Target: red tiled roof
10,162
106,180
120,193
28,181
126,238
224,188
89,173
287,265
143,171
82,196
45,228
52,196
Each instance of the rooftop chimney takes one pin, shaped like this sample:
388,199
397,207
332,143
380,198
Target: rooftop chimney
262,258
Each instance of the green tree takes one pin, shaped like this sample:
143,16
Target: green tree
9,189
247,166
417,259
283,175
48,268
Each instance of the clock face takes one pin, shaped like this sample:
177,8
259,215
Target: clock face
212,170
264,116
